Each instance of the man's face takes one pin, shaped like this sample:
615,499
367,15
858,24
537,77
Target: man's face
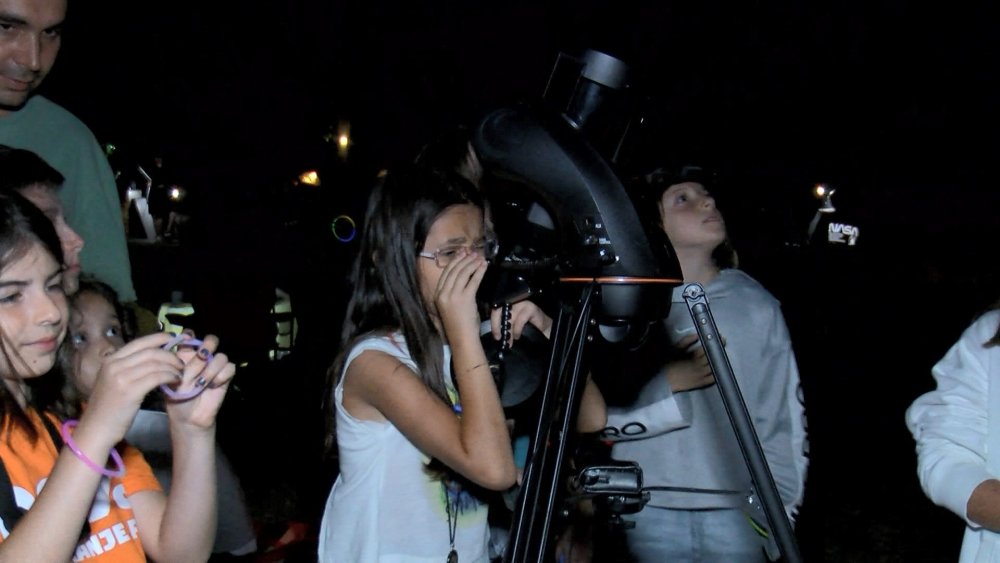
30,35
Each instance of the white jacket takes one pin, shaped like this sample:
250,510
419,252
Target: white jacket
958,442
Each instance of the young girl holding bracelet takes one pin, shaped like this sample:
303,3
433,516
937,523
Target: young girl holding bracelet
99,325
72,501
419,422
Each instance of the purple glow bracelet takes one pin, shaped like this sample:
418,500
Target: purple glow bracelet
181,340
68,439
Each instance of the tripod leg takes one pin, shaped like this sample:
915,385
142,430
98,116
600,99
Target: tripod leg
739,417
560,401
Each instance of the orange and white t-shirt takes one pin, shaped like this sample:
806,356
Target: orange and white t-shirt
113,536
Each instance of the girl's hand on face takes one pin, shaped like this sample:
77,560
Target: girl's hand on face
455,296
124,379
213,374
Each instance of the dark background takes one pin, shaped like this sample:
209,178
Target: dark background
889,101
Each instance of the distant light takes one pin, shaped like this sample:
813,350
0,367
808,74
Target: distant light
177,193
309,178
343,138
824,193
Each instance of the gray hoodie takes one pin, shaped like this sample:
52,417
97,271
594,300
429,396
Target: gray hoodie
687,440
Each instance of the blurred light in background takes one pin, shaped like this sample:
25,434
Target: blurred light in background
309,178
177,193
287,326
343,228
825,193
343,139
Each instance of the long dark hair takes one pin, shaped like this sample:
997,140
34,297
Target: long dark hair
401,210
23,168
22,226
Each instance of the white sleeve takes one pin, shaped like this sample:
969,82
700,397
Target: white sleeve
951,423
646,418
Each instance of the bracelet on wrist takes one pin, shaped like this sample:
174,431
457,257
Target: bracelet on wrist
68,439
467,370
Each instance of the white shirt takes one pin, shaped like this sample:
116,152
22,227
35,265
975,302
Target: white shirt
384,507
956,437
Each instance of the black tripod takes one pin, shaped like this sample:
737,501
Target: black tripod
544,478
530,529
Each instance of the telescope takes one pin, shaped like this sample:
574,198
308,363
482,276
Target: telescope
613,269
599,237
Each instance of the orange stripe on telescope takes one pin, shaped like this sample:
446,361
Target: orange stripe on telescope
623,280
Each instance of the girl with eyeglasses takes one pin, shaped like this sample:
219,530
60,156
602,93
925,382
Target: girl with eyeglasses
420,429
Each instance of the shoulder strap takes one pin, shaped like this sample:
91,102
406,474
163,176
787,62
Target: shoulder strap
9,510
53,433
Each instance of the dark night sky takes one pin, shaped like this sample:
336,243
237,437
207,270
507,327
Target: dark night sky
830,89
892,101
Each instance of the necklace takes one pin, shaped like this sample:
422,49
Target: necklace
449,505
452,521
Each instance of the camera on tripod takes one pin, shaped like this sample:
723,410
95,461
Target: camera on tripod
615,488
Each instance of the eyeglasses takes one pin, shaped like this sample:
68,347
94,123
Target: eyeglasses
486,247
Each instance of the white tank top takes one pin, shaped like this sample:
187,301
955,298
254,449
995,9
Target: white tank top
384,507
